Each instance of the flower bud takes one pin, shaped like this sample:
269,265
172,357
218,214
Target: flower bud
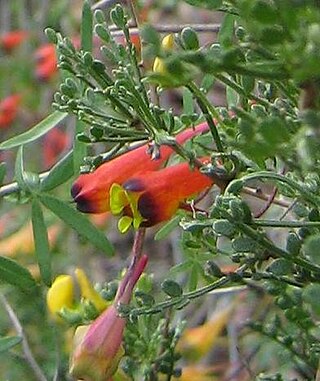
60,294
167,45
97,347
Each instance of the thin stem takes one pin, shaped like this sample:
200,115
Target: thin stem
186,297
309,196
138,243
285,224
209,112
240,90
262,196
39,375
265,207
264,242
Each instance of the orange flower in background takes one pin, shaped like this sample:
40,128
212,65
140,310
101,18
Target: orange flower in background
134,37
9,41
193,373
9,109
46,62
153,197
196,342
21,242
91,191
54,143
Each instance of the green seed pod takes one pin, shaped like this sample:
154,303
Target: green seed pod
189,39
171,288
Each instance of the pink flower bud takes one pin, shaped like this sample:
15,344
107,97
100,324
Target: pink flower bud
98,348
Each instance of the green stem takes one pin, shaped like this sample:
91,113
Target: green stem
209,112
237,88
285,224
309,196
188,295
264,242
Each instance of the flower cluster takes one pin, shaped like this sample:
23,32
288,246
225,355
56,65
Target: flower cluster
137,187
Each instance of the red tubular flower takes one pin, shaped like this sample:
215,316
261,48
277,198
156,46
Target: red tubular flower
98,352
9,41
91,191
9,109
54,143
153,197
46,62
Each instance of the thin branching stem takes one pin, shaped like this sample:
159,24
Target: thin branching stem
28,355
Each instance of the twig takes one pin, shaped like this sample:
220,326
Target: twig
25,346
13,187
243,365
269,202
254,193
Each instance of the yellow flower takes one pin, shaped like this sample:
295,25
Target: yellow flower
167,45
88,292
60,294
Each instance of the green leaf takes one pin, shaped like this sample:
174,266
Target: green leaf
188,106
59,174
36,132
27,181
78,222
208,4
3,171
19,170
166,229
86,27
8,342
226,31
232,97
181,267
41,242
11,272
311,248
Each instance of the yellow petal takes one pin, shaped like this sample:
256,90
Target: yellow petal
60,294
88,292
118,198
159,66
124,224
167,42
